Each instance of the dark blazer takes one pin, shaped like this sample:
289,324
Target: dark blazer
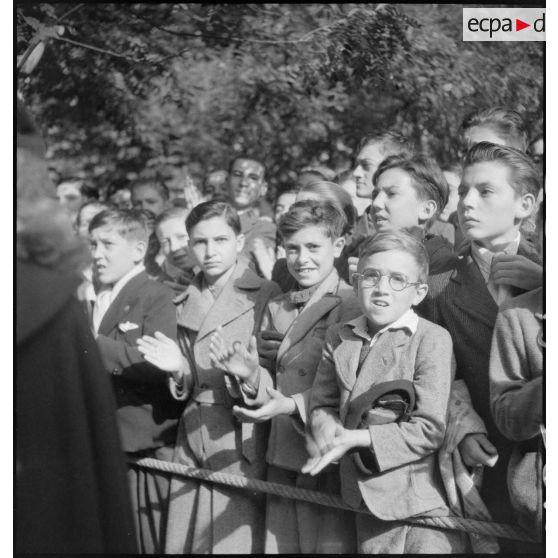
408,482
459,301
147,414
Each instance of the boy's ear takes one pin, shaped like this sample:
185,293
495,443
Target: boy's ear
240,241
427,210
338,245
422,290
140,249
525,206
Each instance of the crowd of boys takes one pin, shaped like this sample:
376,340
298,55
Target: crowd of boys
411,387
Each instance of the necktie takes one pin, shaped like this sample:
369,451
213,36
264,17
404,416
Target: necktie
102,303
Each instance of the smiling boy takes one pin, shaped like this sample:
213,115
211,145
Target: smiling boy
290,343
388,458
497,192
129,305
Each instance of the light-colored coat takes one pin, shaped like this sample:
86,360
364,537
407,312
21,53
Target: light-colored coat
296,527
209,518
297,360
408,482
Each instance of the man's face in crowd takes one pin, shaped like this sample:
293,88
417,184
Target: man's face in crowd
367,162
70,197
149,198
246,183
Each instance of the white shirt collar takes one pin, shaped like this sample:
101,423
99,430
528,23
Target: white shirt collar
409,321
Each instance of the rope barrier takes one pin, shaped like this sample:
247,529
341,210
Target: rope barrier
487,528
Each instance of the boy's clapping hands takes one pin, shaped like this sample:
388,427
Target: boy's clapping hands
343,441
277,405
237,360
162,352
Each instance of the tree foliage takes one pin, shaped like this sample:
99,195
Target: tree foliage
140,89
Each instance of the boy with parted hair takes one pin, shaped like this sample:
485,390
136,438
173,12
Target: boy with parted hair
290,345
372,150
129,305
379,403
497,192
409,192
499,125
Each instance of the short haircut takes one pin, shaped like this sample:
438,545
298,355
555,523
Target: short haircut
154,183
427,177
172,213
130,224
333,193
292,191
247,158
391,143
396,240
324,173
525,174
313,213
504,122
92,203
214,208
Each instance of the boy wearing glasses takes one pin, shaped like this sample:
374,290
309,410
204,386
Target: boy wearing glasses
379,401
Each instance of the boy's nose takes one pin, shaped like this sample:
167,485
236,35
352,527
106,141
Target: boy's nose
357,172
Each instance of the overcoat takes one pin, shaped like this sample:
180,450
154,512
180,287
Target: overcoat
294,527
208,518
70,473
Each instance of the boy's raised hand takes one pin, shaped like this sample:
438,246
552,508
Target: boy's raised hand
278,404
517,271
477,450
236,360
161,351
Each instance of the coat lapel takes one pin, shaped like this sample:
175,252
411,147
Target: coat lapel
123,303
232,301
471,293
347,354
320,304
194,305
381,360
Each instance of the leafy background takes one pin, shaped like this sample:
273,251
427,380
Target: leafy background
128,90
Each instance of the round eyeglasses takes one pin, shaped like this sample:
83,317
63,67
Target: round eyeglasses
371,277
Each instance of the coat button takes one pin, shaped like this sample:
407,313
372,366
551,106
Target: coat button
301,372
280,369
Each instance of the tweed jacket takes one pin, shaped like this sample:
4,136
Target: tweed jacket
297,359
214,437
147,414
459,301
516,366
408,482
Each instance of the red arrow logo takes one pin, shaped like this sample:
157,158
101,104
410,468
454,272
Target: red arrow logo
519,25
